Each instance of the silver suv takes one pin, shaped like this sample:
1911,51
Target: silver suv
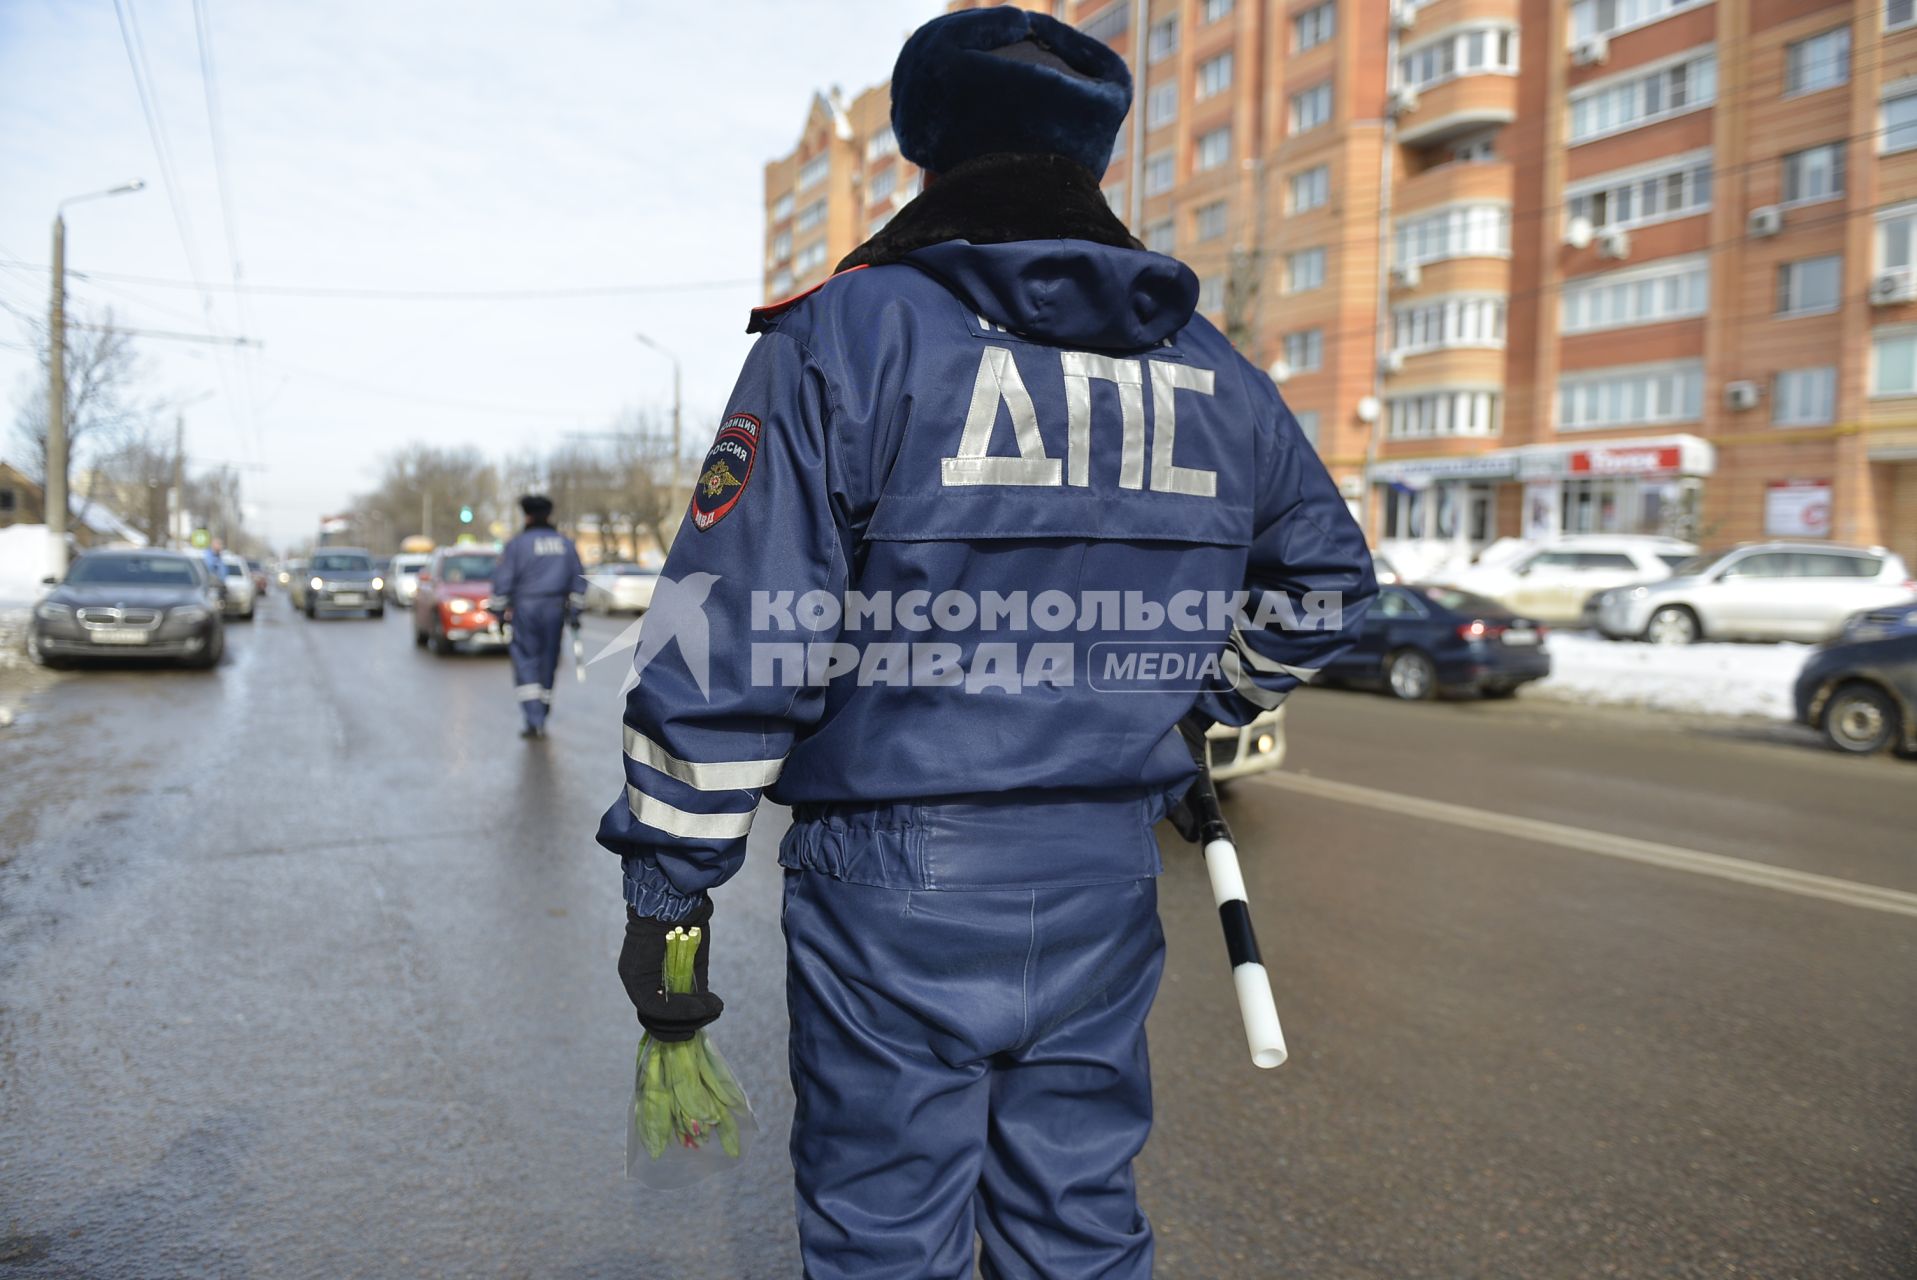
1762,591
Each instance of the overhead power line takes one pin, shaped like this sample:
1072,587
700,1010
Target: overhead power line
409,295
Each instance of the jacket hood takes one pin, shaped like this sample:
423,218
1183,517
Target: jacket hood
1068,292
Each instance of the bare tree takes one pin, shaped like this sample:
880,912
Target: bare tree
423,488
136,480
102,371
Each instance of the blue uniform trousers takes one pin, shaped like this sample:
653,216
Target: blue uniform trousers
539,624
968,987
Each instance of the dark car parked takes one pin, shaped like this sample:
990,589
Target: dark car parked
340,579
141,604
1419,641
1862,693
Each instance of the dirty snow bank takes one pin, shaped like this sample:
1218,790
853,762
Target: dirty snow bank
1712,679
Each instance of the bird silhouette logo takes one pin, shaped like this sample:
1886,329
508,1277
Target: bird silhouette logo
677,615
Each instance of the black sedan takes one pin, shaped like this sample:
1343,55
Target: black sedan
1862,693
138,604
1420,641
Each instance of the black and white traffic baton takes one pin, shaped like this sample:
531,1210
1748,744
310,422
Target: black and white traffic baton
1260,1011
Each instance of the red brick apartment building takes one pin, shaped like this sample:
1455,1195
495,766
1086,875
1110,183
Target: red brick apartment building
1519,266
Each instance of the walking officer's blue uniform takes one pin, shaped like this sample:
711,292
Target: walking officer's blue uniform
1004,439
540,578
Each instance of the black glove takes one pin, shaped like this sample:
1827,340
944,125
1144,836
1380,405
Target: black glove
1183,817
642,965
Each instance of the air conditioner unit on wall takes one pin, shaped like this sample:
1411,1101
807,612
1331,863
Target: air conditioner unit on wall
1403,16
1767,221
1392,363
1591,53
1742,395
1406,275
1890,288
1403,101
1614,244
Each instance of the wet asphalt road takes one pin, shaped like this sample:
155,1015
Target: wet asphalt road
306,969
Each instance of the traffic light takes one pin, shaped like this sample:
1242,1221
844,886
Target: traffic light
465,515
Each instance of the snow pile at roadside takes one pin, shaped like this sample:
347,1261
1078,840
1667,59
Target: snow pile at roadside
23,562
13,637
1713,679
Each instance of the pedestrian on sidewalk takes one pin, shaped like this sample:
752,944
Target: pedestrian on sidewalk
538,587
970,904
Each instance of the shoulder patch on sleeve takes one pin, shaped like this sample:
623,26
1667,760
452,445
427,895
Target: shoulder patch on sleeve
764,317
728,466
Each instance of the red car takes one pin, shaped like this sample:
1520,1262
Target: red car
449,608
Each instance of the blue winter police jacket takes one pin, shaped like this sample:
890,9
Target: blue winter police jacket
984,522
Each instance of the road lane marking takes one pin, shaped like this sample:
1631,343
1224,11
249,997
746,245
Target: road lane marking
1805,884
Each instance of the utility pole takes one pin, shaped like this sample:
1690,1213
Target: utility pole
179,482
426,512
678,441
56,486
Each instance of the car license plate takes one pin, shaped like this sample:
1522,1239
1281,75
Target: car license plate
348,597
1521,636
116,636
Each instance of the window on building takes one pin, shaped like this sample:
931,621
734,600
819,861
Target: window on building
813,255
1214,75
1671,289
1897,238
1208,223
1162,43
809,217
1815,173
1893,362
1633,102
1818,62
1674,189
1899,14
1311,108
813,171
884,183
1211,294
1469,320
1441,413
1160,172
1214,149
1110,22
1309,188
1458,231
1481,148
1305,350
782,246
1115,197
1898,126
782,208
1304,270
1161,236
1161,106
1314,26
1460,51
1809,286
1635,397
1307,425
9,501
1804,397
1216,9
881,144
1604,17
781,286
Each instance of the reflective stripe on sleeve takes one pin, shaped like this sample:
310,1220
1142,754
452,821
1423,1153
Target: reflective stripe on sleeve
1259,662
1247,688
725,775
675,821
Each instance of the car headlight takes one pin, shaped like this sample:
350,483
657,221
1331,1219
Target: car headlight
1640,593
379,584
317,584
189,613
459,606
52,610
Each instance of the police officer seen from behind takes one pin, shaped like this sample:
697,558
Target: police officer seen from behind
538,582
1001,403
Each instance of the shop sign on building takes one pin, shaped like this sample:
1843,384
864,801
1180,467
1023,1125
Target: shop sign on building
1797,509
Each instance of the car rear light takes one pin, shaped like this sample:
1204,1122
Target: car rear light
1480,631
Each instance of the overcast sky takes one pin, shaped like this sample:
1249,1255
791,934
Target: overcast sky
416,145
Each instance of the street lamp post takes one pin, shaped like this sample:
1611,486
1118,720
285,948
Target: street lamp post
56,489
678,457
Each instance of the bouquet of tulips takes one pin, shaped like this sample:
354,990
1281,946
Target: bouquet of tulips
689,1118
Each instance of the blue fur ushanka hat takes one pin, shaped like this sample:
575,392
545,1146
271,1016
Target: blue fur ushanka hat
981,81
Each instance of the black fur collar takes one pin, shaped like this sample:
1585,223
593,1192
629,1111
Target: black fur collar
997,199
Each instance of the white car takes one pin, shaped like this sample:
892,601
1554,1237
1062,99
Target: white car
1555,581
620,588
1255,748
402,580
241,595
1764,591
